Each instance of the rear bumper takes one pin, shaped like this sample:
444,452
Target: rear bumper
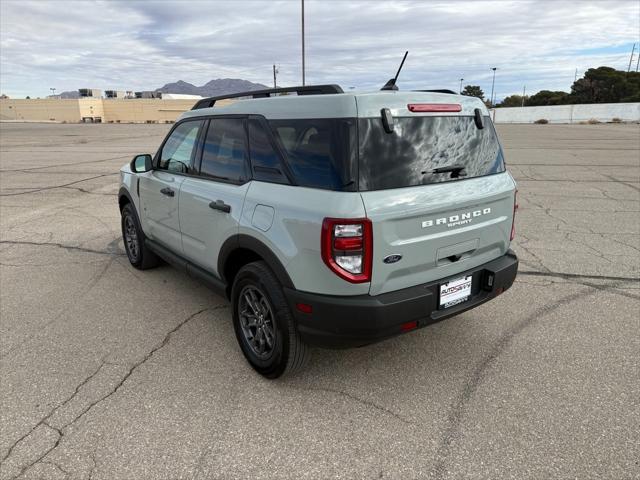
342,322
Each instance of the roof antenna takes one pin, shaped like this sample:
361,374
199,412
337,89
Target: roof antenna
391,84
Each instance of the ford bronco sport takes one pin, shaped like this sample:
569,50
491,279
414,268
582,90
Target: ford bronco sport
328,218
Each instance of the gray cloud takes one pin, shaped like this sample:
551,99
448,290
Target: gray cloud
141,45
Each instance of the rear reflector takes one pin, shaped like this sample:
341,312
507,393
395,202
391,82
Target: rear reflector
434,107
304,307
405,327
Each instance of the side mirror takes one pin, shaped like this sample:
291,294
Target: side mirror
141,163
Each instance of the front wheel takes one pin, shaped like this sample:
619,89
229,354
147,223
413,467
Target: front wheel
263,323
138,253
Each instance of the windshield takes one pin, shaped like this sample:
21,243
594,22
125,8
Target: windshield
419,145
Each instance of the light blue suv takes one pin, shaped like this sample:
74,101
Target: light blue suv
328,218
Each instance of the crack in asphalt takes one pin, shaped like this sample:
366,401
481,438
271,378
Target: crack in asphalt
58,467
89,286
456,414
27,170
41,189
121,382
80,189
624,182
94,464
576,275
111,250
362,401
52,411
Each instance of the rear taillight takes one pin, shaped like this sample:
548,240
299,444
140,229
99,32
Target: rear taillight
347,248
515,209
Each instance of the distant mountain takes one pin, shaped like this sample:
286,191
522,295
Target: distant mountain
213,88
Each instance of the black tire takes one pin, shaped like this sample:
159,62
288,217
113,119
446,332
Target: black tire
133,237
287,352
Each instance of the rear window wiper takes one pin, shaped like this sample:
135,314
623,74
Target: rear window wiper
455,170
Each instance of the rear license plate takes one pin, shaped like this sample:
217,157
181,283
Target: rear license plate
455,291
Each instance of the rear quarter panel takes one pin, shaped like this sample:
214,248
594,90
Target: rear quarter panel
294,233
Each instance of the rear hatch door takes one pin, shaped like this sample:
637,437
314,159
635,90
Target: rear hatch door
437,193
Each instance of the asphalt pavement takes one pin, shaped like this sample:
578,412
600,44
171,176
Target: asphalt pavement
111,373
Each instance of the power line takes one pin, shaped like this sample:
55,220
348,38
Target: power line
631,57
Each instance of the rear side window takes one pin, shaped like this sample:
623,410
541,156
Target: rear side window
179,150
321,153
224,155
419,145
265,161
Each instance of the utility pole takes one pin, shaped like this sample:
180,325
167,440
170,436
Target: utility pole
575,77
493,83
303,43
275,71
461,80
631,58
53,91
524,90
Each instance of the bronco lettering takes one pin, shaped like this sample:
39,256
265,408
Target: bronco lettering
456,220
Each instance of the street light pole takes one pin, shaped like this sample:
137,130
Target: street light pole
275,70
303,43
461,80
633,50
493,83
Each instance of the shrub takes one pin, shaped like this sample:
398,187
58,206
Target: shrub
542,121
593,121
616,120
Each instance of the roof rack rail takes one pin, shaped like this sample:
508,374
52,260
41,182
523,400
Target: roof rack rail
442,90
306,90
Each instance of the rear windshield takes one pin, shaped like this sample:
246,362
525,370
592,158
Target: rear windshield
321,152
419,145
346,154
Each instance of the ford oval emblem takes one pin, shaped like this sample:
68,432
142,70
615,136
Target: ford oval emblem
392,258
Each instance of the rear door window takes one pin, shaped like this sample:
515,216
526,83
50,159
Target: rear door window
224,154
265,160
418,146
321,153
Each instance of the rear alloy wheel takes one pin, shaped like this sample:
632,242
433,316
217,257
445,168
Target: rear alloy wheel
257,321
263,323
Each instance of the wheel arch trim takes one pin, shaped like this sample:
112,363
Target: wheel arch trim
123,192
248,242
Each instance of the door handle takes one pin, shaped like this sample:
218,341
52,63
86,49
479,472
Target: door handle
220,205
168,192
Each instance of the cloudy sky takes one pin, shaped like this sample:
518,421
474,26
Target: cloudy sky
128,45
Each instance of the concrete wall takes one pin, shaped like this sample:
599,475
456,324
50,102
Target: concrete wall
40,110
603,112
142,110
108,110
